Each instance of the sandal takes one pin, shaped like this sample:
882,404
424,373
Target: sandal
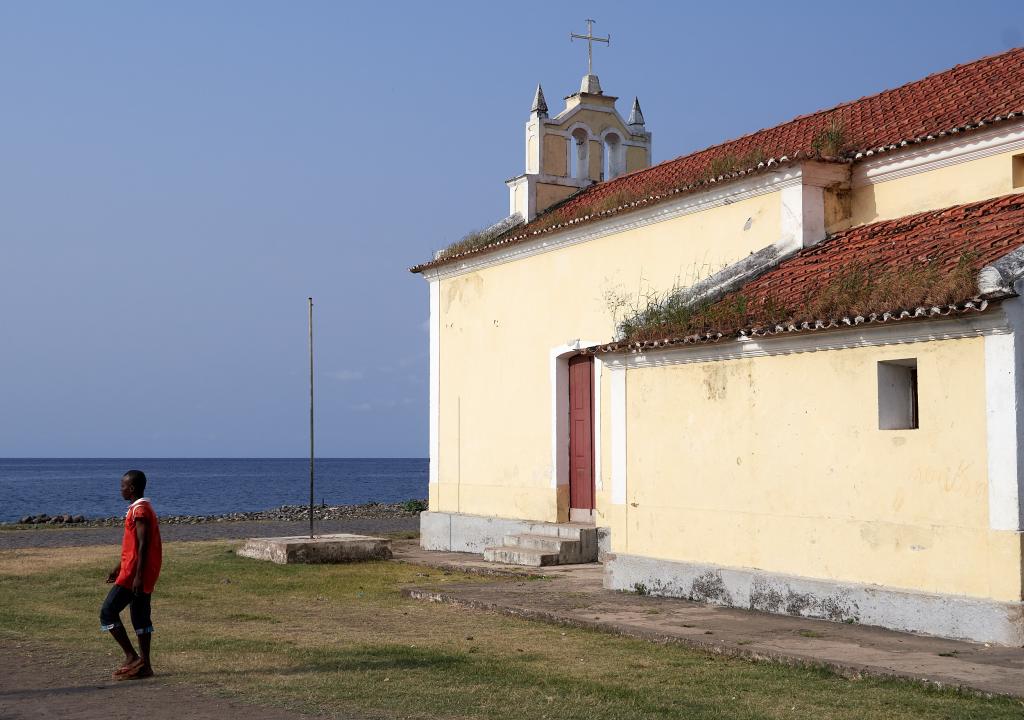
127,667
139,672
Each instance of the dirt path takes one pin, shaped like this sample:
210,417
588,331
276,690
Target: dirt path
36,682
80,537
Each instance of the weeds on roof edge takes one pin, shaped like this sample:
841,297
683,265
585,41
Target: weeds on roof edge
857,290
469,241
831,140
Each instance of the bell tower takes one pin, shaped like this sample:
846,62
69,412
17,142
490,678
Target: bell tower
587,142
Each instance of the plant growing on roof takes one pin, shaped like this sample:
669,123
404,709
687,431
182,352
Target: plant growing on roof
862,290
613,201
857,290
831,139
721,166
469,241
730,163
478,238
585,206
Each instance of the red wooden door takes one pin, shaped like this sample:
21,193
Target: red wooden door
581,432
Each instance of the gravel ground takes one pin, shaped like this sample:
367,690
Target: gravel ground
39,682
69,536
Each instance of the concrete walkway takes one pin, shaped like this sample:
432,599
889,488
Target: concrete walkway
574,596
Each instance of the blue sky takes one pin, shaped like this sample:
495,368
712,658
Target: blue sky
176,179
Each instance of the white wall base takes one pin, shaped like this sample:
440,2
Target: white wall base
950,616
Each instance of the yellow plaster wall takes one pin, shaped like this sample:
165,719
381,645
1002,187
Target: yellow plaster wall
953,185
548,195
499,324
596,159
555,155
777,463
607,514
598,122
636,158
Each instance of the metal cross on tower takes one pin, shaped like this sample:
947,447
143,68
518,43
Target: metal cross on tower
589,37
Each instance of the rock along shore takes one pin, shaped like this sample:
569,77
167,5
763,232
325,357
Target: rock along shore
284,513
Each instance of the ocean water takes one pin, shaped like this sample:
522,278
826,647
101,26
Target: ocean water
196,486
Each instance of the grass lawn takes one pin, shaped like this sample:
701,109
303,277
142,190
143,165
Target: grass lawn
340,639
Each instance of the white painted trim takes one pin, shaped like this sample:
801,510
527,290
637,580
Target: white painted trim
803,205
570,130
1004,407
991,322
559,374
559,378
568,114
616,158
581,151
718,195
598,477
628,140
522,183
534,129
791,212
434,327
617,379
555,180
824,174
959,148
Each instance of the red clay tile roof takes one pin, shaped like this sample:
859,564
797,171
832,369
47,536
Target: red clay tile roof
962,98
977,234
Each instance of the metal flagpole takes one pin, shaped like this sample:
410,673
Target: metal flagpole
310,418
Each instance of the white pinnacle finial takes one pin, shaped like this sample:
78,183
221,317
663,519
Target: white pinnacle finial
591,84
540,105
636,116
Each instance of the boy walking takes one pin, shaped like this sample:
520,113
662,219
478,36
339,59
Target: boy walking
134,579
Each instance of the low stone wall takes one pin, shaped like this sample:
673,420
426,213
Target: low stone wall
285,513
949,616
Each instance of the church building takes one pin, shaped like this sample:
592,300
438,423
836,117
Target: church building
781,373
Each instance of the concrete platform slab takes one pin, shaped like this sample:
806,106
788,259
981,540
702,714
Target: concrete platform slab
573,595
338,548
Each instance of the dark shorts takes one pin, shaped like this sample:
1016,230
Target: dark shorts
117,600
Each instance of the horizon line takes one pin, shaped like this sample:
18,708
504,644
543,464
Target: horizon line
211,457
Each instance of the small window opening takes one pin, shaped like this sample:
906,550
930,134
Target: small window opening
897,395
1018,171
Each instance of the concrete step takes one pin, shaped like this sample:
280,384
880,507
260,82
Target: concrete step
513,555
569,531
547,543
